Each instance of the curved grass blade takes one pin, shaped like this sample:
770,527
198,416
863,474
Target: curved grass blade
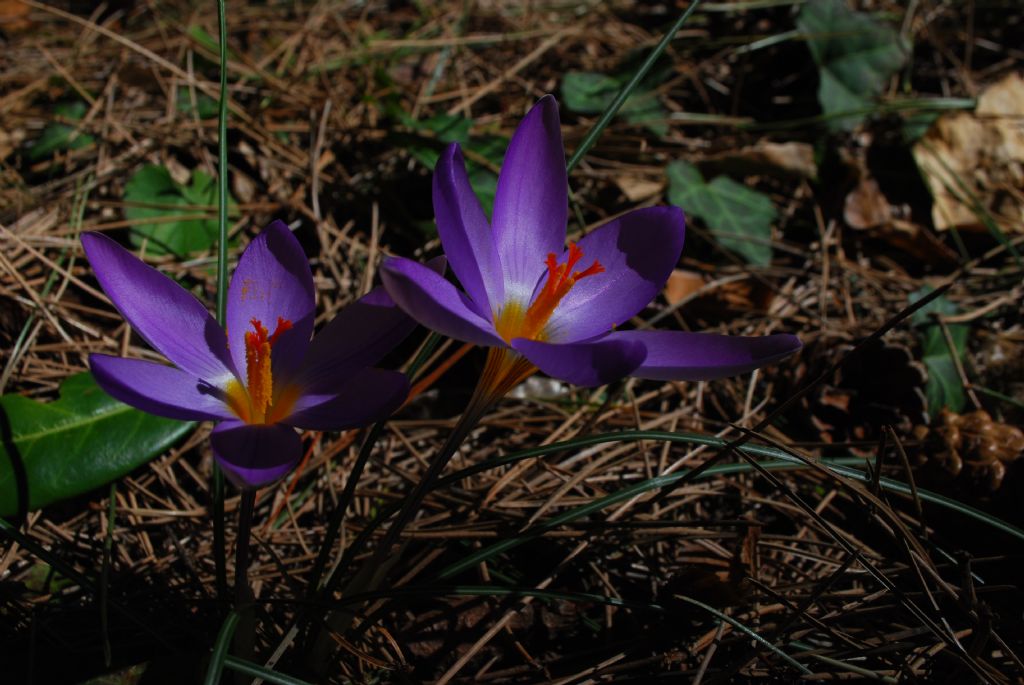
70,572
257,671
220,649
781,461
747,631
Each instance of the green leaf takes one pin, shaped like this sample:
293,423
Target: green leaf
448,128
739,218
590,93
855,56
944,389
203,38
58,136
205,107
181,219
43,579
74,444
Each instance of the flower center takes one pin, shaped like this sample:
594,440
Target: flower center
255,403
513,322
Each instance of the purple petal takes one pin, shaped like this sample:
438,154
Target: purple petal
272,281
255,455
427,297
158,389
586,364
368,396
532,201
685,356
167,316
638,252
357,337
465,233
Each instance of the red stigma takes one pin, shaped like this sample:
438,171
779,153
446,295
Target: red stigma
561,279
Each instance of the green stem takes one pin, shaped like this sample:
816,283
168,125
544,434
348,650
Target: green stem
217,481
244,641
108,547
338,514
628,89
503,370
348,494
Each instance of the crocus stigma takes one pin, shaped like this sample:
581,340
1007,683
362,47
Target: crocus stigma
262,377
540,305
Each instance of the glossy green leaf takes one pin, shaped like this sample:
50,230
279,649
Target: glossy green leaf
60,136
79,442
739,218
855,55
170,217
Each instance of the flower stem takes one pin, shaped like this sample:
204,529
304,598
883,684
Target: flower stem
503,370
338,514
348,494
243,644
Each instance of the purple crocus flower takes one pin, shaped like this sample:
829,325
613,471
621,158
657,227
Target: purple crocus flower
542,306
262,377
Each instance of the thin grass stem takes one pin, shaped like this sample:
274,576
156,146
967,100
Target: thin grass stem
620,99
217,481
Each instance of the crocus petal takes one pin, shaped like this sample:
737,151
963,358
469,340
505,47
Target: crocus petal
638,252
167,316
465,233
272,280
357,337
685,356
427,297
532,201
158,389
585,364
254,455
368,396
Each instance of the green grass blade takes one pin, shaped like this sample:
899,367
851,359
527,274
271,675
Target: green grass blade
217,482
781,461
220,649
70,572
628,89
257,671
747,631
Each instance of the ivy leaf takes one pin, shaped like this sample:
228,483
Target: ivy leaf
739,218
175,219
855,56
591,93
205,107
944,388
58,136
81,441
442,129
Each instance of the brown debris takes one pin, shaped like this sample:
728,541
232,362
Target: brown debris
974,162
